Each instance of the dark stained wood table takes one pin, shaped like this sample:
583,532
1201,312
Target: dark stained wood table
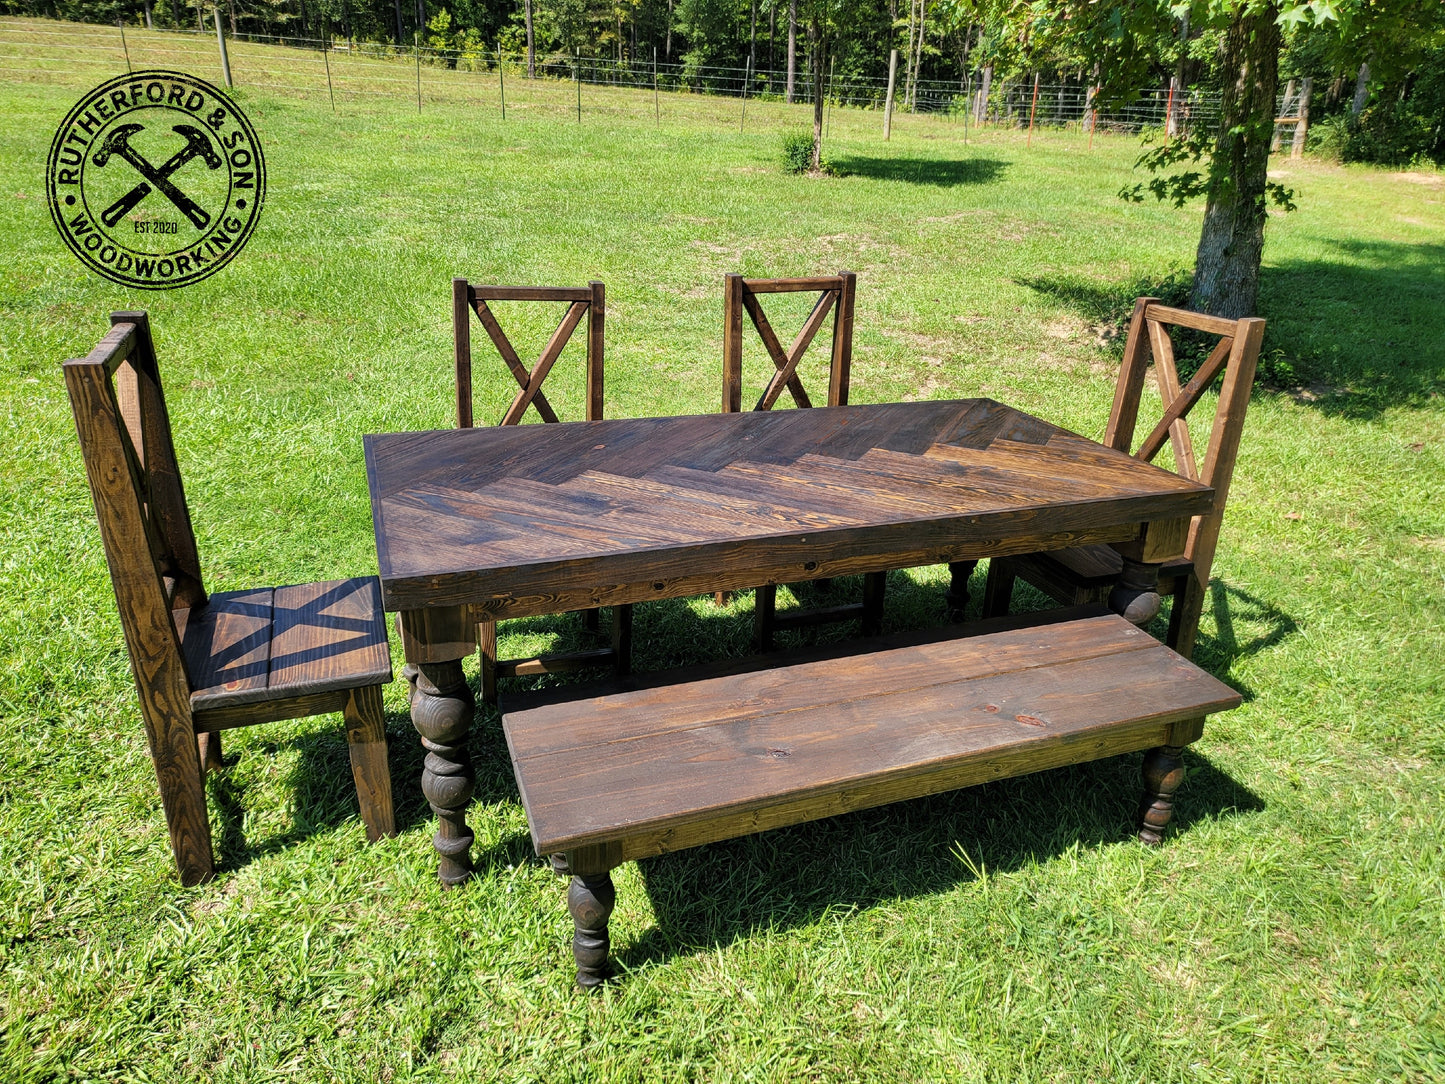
523,520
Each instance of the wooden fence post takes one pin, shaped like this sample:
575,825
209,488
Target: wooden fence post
1032,106
1302,126
888,101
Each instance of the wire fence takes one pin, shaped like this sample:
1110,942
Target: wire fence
347,72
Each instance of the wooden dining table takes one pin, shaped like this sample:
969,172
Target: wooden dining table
483,524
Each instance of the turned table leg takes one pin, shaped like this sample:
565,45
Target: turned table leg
1163,772
590,900
1136,596
441,711
442,706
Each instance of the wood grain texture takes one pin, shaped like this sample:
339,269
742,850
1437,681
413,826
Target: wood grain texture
116,488
366,741
687,763
244,647
509,520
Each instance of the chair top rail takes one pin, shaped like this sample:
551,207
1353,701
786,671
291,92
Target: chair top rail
793,286
1199,321
530,293
117,345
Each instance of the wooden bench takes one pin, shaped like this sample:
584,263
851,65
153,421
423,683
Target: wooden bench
674,764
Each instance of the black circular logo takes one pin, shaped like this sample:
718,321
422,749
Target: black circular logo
155,179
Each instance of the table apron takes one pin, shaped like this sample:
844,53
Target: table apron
576,587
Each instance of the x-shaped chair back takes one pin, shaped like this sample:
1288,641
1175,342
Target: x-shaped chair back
1236,354
588,301
835,297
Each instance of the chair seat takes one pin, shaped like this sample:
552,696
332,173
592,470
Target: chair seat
274,643
1098,566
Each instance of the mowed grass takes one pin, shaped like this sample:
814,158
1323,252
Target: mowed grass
1291,925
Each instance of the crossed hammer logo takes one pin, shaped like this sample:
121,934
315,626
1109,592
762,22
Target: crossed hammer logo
157,178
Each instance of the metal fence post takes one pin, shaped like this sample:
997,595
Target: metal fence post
221,44
656,103
502,80
124,47
416,44
326,56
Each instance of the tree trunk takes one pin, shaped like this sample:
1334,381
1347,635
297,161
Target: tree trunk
753,39
772,33
667,51
815,35
399,31
148,18
908,55
531,42
1362,90
792,47
1226,269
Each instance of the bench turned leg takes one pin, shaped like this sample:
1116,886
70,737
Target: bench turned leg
956,598
590,900
1163,772
441,711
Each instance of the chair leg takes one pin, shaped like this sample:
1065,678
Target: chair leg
622,639
998,591
208,745
956,599
175,753
874,585
765,609
366,736
1184,614
487,645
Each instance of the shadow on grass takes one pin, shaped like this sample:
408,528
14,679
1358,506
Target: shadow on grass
941,172
790,877
1351,334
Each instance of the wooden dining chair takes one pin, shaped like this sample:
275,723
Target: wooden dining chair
835,298
1087,573
205,663
591,302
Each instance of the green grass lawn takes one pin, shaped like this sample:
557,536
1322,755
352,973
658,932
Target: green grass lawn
1290,927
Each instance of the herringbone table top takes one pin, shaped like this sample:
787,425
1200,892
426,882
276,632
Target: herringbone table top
533,519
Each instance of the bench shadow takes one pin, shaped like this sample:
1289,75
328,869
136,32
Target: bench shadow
940,172
713,895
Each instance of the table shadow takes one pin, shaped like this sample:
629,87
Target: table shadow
940,172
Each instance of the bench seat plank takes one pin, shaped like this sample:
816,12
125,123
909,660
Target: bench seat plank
668,767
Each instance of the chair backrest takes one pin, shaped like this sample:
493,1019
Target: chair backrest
1236,354
835,295
589,301
125,439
